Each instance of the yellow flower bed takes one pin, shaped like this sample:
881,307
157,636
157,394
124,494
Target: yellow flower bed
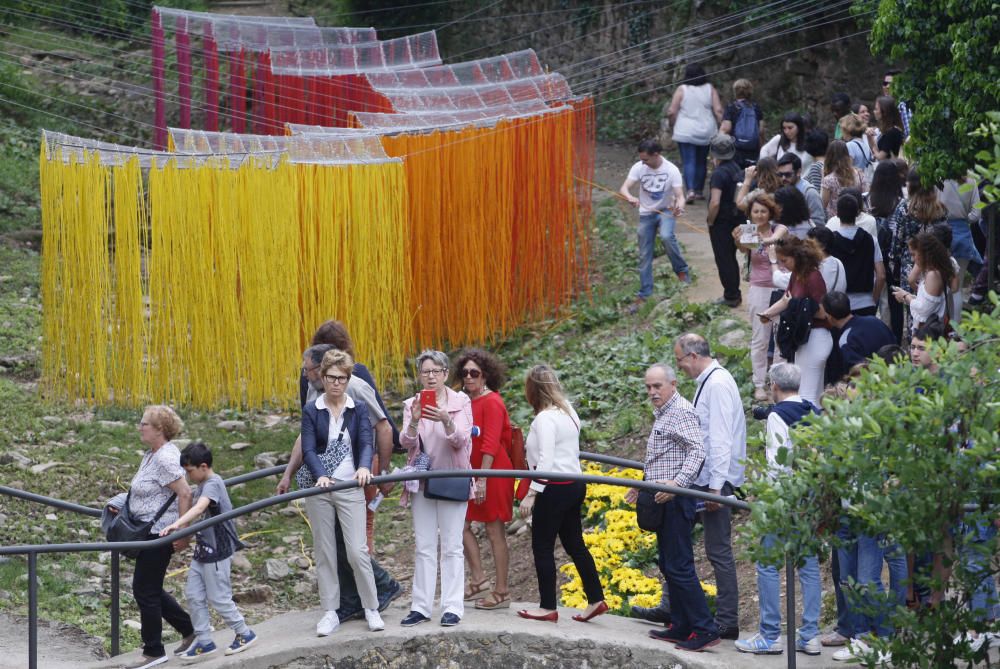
625,555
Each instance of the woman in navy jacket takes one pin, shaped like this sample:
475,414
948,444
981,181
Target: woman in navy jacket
337,445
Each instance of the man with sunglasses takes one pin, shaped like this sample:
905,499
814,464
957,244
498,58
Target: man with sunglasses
789,169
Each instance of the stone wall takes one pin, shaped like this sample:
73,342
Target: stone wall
573,31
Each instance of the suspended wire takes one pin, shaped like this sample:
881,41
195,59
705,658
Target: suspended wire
351,86
71,121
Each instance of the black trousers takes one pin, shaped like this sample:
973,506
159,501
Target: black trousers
350,600
155,604
724,249
557,512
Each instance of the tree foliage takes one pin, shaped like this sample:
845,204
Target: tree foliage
951,75
905,456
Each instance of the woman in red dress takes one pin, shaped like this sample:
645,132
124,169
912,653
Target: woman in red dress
482,376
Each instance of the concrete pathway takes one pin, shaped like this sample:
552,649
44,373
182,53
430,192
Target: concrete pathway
289,640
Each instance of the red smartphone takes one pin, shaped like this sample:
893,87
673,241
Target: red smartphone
428,398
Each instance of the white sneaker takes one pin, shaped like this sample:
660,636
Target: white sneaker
975,642
327,624
810,647
375,623
854,650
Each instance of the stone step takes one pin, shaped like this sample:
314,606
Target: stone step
484,639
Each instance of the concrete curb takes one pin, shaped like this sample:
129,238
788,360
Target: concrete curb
290,640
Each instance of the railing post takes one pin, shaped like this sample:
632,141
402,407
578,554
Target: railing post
115,603
790,611
32,610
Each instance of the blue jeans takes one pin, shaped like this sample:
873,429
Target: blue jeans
769,592
688,607
649,225
860,560
985,604
899,572
694,164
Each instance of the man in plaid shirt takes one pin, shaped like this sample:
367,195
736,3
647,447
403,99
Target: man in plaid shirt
675,452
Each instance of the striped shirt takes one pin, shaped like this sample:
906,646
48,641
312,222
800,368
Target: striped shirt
675,449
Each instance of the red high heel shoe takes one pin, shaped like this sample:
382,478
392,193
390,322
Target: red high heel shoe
601,608
547,617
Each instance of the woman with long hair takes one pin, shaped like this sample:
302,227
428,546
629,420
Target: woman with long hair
802,259
794,211
791,139
884,194
761,177
764,215
913,215
482,376
890,125
695,113
933,271
839,171
555,505
856,134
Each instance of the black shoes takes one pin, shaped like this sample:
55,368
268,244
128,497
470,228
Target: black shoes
728,632
698,642
731,303
655,614
385,599
671,634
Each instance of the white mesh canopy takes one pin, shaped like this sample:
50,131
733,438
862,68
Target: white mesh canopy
260,33
340,146
412,51
546,88
517,65
69,148
425,120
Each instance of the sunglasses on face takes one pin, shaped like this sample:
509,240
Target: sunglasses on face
786,175
471,373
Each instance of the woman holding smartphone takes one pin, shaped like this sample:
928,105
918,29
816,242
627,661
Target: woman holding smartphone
555,505
438,422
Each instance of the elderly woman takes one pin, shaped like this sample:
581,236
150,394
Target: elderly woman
337,445
159,483
482,377
555,505
764,214
442,430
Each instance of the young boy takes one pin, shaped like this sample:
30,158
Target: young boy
208,579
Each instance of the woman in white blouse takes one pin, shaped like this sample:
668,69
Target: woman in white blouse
933,270
555,506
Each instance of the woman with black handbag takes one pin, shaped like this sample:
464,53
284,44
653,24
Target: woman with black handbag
159,479
555,506
438,431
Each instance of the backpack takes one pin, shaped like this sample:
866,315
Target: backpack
746,130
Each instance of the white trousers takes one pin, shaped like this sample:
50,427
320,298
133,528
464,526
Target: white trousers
347,506
811,359
435,520
760,337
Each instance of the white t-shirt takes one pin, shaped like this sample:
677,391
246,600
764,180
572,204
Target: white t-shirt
865,221
656,187
834,275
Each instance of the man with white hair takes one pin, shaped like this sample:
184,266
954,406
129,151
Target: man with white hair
674,456
789,409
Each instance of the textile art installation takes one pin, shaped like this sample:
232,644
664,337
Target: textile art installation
198,280
424,204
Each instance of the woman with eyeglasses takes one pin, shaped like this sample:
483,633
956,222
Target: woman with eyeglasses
482,376
556,505
338,445
443,431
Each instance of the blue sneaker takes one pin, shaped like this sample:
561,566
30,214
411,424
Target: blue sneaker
758,645
198,651
241,643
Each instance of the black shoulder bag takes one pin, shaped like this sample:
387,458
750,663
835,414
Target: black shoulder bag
125,527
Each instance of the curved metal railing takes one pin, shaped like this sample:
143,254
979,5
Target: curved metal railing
115,548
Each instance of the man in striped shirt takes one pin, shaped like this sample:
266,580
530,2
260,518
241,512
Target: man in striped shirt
675,452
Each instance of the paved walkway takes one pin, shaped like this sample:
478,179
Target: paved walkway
288,640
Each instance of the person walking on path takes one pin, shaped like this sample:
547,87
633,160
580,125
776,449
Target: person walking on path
660,201
694,114
724,216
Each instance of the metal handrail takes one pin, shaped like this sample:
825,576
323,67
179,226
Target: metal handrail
32,551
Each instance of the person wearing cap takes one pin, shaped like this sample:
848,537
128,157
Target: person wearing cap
723,216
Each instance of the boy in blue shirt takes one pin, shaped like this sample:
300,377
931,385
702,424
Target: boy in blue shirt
208,578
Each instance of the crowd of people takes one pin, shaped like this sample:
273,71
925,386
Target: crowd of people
849,254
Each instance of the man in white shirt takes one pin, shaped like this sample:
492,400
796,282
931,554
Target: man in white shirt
723,424
660,201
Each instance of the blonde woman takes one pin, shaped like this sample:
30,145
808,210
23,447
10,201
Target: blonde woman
555,505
